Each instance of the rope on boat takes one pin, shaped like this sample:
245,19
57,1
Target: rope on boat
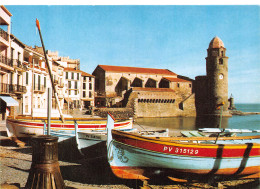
141,127
109,150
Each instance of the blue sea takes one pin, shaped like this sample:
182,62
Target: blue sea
190,123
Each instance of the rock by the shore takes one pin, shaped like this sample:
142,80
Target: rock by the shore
240,113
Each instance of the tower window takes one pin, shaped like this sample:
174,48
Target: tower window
222,53
221,61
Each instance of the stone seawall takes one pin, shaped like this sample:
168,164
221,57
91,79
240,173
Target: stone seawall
162,104
116,112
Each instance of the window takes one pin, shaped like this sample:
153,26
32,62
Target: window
19,56
90,94
27,78
72,75
44,82
90,78
76,84
84,94
190,85
18,79
34,81
221,61
11,78
77,76
76,92
90,86
84,85
12,53
69,92
39,82
178,85
67,75
69,84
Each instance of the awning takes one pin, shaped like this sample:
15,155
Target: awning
68,100
9,101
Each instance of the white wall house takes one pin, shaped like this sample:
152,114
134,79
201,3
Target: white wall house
87,90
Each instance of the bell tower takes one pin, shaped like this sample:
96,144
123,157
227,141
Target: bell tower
217,76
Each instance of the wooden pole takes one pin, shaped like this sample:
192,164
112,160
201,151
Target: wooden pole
49,69
49,111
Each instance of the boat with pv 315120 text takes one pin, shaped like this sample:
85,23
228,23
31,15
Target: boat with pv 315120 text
132,156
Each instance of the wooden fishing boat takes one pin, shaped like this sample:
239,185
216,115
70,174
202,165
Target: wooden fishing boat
85,140
28,126
133,156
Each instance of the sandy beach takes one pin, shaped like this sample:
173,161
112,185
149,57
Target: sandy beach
83,172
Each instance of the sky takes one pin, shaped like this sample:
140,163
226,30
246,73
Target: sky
174,37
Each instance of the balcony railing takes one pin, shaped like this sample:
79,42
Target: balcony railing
19,64
6,61
11,88
4,34
39,88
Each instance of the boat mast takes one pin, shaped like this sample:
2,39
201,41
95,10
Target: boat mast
48,66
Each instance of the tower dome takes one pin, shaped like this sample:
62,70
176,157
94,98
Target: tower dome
216,42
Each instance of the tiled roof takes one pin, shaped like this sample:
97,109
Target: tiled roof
78,71
86,74
71,70
33,49
125,69
153,89
17,40
7,11
175,79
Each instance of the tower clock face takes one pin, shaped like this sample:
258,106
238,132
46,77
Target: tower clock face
221,76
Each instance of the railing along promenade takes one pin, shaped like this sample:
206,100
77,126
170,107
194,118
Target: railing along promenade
4,34
11,88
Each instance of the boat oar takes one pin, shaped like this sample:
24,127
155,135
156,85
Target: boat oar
218,130
48,66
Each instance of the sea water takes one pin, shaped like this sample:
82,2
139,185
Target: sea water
191,123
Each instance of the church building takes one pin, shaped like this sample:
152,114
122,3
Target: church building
162,93
149,92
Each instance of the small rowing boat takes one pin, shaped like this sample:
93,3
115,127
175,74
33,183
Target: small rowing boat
88,139
132,156
28,126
